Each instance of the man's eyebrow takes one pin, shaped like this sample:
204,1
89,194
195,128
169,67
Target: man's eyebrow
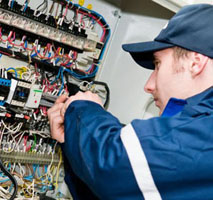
155,57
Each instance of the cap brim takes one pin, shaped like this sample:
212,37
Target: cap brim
142,52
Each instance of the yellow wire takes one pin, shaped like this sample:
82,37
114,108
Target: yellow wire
20,70
58,168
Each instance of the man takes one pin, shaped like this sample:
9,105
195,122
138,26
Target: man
168,157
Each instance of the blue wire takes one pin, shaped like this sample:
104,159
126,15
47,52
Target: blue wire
34,169
104,48
94,12
28,179
56,78
38,172
45,167
25,8
25,44
12,3
33,55
2,181
62,80
43,189
100,17
11,68
11,187
82,76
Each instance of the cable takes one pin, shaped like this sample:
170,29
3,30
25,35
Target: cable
106,104
12,179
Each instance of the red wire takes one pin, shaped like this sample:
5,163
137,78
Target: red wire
98,21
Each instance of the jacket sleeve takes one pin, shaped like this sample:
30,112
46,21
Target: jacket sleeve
168,157
95,151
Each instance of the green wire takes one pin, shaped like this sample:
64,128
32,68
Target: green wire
34,143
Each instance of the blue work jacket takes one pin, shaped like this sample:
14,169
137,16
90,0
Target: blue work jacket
168,157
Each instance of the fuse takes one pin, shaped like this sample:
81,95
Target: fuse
81,2
89,6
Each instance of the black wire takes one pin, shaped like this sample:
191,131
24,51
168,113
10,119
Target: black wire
44,2
13,180
106,104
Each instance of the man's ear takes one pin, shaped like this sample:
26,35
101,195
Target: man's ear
198,63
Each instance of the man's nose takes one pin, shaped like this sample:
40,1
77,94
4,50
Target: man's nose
150,84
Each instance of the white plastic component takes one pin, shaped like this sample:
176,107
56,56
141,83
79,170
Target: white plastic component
71,39
83,61
96,54
43,30
2,114
12,90
34,97
24,84
6,18
17,103
81,43
31,26
92,36
85,58
19,116
18,22
78,43
90,45
55,35
65,38
1,15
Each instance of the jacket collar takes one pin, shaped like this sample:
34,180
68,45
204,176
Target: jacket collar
174,105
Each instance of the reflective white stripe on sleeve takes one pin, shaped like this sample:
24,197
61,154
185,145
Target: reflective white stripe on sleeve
139,163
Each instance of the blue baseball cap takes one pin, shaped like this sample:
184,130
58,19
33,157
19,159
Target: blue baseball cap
191,28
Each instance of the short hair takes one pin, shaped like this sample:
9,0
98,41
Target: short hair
178,53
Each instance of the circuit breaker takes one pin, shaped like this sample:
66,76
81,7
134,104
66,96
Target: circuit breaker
59,46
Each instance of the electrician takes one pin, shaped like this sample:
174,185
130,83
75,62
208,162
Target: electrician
168,157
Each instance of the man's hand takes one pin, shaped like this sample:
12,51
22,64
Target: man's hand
89,96
56,119
56,113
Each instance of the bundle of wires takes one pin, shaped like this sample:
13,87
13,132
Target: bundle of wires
13,180
104,38
98,18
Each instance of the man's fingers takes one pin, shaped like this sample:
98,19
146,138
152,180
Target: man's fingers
54,115
55,108
56,120
61,99
89,96
57,128
66,104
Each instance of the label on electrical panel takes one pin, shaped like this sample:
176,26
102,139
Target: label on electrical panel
34,97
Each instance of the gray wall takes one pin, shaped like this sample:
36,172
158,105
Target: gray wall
140,20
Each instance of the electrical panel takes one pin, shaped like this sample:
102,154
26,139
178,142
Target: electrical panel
52,48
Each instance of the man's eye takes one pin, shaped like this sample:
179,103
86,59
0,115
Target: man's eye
157,64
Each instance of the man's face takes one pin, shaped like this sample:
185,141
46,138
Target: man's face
166,81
